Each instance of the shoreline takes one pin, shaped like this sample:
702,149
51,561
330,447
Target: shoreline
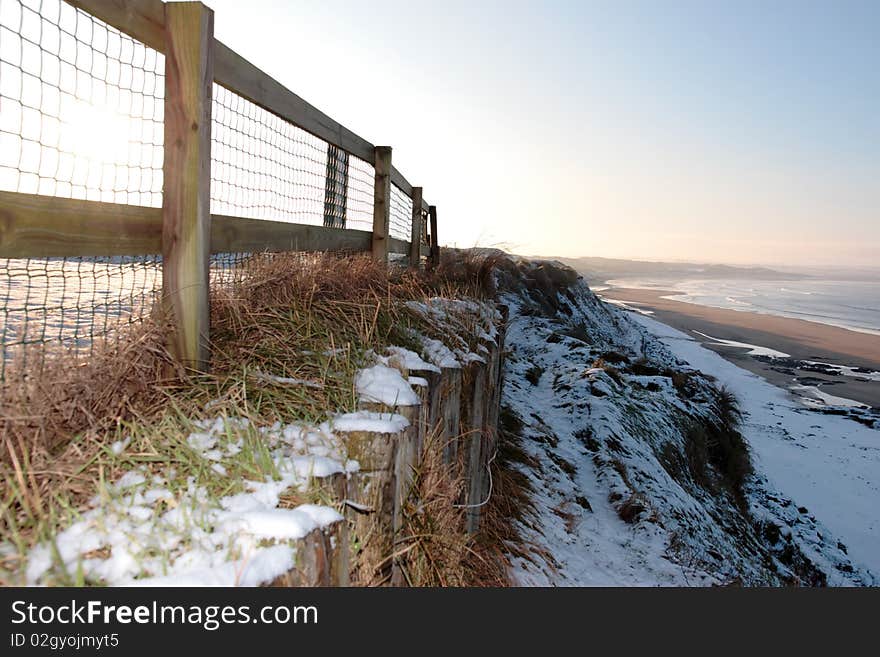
800,339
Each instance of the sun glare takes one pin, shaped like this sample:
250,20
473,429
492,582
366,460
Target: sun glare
96,133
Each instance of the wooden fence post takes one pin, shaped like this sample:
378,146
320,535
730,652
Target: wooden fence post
382,203
435,245
415,234
186,215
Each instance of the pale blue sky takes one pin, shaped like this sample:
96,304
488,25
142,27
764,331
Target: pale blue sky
725,131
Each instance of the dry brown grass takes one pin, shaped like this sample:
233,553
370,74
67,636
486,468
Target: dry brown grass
53,426
433,545
305,316
435,549
471,271
294,315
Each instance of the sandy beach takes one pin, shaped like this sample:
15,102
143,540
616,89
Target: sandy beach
802,340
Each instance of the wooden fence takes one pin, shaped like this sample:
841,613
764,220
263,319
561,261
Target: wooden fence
183,230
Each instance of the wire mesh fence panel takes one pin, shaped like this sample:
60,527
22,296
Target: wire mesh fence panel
360,190
81,116
81,107
64,305
336,187
227,268
401,214
263,167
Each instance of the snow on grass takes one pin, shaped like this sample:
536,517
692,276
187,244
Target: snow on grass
827,463
154,528
263,565
616,498
439,353
119,446
212,521
576,523
458,328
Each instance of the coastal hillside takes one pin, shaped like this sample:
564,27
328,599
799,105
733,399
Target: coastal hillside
643,469
488,422
603,269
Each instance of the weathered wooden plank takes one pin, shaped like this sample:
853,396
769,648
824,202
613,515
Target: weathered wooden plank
235,235
397,246
237,74
186,225
400,182
415,233
382,202
143,20
435,245
34,226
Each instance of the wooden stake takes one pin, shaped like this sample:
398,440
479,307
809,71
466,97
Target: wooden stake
382,203
415,235
435,245
186,217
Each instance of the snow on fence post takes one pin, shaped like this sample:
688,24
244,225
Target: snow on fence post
415,234
186,216
382,202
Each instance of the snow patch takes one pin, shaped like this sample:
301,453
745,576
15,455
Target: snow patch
369,421
139,532
384,385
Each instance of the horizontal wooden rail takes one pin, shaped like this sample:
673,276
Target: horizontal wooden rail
400,182
400,247
33,226
143,20
236,235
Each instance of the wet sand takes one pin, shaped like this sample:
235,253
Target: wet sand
801,339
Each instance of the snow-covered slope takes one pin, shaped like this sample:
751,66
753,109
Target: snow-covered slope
827,463
639,464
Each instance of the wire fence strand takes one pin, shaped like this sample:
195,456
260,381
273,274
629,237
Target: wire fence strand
401,214
70,303
263,167
81,107
81,116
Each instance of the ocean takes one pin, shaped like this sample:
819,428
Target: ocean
854,305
